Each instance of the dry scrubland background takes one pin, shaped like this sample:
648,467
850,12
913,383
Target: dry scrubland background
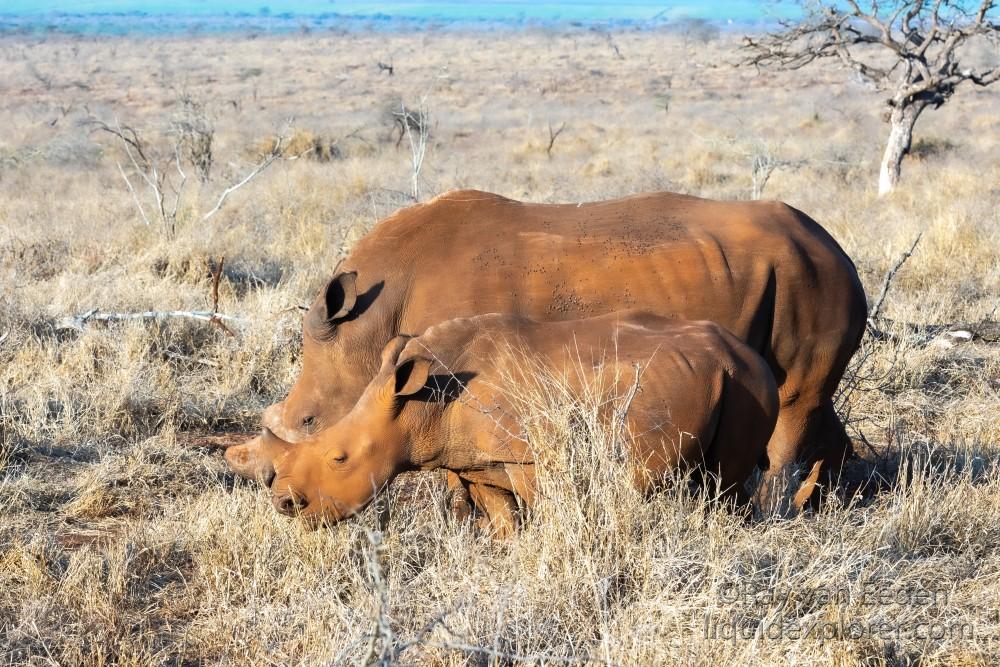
121,543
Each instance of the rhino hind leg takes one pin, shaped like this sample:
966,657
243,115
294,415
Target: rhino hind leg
809,440
828,445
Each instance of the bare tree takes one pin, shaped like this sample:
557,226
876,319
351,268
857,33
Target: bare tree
908,48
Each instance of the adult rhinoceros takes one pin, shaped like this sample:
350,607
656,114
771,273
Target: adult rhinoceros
764,270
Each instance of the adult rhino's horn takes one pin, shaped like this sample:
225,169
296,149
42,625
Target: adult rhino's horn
333,304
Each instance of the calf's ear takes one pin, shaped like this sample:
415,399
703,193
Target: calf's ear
411,375
391,351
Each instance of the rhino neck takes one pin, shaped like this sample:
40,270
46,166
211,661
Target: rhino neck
470,428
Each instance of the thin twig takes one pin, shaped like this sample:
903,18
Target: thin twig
622,421
876,309
135,197
380,644
216,276
274,154
553,135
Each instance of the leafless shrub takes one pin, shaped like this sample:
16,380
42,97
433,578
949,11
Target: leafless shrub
403,119
929,147
698,30
762,164
761,157
195,134
313,146
165,178
614,47
416,135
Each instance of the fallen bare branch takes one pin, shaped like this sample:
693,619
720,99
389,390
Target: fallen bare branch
985,331
194,360
95,315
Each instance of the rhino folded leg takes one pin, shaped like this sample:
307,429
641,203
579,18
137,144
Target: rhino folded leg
499,507
458,501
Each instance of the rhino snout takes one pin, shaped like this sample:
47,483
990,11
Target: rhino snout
289,504
247,462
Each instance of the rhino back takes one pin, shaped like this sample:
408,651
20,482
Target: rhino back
765,271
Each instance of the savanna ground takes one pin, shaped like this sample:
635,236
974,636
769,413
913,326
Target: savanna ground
123,542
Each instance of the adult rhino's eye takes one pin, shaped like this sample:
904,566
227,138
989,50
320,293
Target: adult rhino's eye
308,422
340,459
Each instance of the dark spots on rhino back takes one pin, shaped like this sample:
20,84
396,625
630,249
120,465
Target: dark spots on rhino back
489,257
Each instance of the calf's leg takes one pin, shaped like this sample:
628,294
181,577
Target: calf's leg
499,506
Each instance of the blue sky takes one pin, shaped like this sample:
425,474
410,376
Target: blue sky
738,10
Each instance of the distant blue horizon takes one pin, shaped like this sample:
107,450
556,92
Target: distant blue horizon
57,12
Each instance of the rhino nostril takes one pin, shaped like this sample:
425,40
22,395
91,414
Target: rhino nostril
289,505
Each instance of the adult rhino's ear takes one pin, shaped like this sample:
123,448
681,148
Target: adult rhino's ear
411,375
340,295
334,304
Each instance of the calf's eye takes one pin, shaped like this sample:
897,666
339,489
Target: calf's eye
308,422
340,459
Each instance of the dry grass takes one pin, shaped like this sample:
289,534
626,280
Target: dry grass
120,544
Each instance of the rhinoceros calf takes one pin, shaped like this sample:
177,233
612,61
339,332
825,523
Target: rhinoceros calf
763,270
443,400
